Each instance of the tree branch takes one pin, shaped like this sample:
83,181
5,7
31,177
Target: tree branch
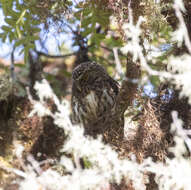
118,63
111,50
113,125
129,88
55,56
12,66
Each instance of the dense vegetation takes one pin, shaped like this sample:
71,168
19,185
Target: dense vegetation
145,45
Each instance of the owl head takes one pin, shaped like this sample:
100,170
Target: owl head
90,74
85,69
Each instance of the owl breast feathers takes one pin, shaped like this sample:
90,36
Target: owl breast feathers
93,92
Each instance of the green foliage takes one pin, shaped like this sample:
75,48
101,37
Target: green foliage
87,163
23,18
93,18
93,14
21,28
155,81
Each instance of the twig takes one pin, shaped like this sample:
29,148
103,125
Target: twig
12,66
108,49
54,56
182,25
13,170
118,64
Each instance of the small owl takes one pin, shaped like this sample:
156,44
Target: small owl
93,93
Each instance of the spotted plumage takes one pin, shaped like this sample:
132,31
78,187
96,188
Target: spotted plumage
93,93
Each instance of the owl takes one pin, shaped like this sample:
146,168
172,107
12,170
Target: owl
94,94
